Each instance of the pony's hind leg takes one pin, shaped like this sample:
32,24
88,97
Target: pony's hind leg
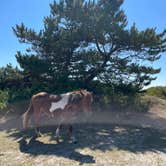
36,119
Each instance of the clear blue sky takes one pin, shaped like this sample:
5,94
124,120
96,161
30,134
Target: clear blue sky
145,13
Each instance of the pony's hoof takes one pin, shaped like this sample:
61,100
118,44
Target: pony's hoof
74,140
39,135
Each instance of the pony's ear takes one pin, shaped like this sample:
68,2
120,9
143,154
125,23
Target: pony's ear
75,98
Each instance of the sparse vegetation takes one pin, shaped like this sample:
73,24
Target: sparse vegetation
158,91
4,97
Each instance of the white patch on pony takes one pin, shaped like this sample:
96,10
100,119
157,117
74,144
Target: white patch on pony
61,103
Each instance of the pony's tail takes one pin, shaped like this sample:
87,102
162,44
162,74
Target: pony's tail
26,116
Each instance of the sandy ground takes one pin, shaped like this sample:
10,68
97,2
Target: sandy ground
112,138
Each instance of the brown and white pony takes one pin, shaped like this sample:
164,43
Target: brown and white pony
64,107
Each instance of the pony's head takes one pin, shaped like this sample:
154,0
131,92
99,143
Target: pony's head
81,102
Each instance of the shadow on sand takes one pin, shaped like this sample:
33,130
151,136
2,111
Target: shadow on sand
95,136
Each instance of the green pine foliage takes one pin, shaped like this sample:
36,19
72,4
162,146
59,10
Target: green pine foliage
83,41
10,77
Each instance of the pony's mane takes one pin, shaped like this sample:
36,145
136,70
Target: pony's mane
80,91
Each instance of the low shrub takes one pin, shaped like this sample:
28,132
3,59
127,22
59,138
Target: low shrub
4,97
158,91
121,102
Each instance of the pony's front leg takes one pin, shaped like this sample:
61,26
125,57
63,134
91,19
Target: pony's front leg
37,131
57,133
71,135
37,124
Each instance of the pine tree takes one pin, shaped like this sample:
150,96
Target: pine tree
83,41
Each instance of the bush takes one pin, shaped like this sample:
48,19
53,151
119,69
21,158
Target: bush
121,102
4,97
158,91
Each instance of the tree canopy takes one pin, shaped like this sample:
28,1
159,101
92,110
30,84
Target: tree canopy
89,41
